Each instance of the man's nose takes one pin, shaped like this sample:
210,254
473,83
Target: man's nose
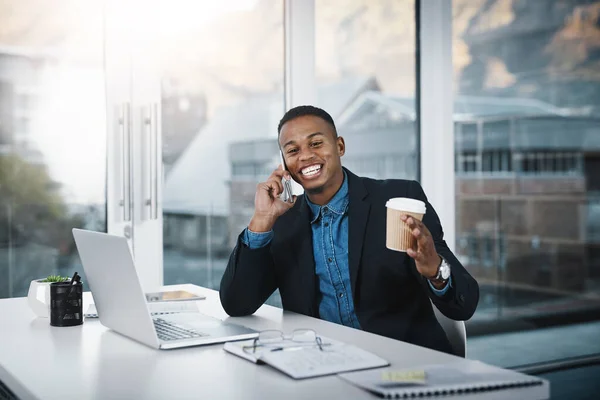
306,154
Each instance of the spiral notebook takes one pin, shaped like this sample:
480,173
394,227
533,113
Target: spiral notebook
460,377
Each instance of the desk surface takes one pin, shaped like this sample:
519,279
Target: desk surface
38,361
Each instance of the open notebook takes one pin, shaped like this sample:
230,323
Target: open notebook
301,362
465,376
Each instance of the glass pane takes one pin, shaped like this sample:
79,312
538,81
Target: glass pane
52,136
222,97
365,70
528,92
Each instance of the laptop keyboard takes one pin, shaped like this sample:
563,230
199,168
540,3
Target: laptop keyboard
168,331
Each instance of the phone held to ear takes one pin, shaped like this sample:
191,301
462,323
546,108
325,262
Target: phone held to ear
287,191
287,194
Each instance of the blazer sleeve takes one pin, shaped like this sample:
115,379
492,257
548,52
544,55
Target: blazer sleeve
460,301
248,281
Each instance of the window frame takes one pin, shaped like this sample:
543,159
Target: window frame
435,98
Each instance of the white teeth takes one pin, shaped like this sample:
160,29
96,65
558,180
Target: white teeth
313,169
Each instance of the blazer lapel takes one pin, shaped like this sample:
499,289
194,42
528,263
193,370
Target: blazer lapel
358,215
303,248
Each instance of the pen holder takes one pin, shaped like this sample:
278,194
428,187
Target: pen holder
66,304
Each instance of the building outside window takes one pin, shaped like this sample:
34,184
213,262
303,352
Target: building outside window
527,143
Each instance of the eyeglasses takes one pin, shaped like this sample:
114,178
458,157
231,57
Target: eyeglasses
274,340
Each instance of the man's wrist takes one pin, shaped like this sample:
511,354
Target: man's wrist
440,278
439,285
260,224
432,277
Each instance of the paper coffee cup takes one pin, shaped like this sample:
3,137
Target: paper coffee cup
398,234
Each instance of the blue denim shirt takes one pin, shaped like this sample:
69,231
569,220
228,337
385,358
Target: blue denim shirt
330,250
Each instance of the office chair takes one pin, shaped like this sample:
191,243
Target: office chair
455,331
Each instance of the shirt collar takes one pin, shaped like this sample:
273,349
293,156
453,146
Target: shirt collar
338,204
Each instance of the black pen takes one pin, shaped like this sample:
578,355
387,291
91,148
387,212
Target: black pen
288,348
74,280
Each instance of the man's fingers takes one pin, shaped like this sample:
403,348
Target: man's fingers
423,239
416,255
284,206
280,173
416,232
271,186
410,221
276,175
421,235
276,186
290,204
414,223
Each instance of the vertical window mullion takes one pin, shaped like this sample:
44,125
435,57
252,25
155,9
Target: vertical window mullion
435,109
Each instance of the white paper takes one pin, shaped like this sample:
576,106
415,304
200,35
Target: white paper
301,361
309,362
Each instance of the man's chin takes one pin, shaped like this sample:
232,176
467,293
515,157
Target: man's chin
314,188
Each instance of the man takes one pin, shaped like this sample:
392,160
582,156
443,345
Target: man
326,252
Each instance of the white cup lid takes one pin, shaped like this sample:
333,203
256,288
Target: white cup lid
406,204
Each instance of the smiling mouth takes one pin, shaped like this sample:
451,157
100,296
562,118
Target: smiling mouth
311,170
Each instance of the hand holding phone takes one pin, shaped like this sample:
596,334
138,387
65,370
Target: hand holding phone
270,201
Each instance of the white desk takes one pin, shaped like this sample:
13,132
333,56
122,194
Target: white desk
38,361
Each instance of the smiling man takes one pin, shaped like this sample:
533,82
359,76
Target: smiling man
326,252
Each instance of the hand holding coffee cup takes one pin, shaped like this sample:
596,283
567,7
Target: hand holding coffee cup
399,235
406,232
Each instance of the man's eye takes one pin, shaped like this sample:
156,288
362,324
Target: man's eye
291,151
315,144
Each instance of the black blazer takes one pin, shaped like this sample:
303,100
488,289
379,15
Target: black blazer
390,297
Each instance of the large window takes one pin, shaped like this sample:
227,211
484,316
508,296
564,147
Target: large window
220,113
527,142
52,136
365,76
222,69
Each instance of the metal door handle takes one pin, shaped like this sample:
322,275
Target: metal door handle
150,120
124,122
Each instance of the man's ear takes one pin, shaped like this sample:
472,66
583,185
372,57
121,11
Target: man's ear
341,145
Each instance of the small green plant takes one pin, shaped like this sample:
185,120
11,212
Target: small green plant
56,278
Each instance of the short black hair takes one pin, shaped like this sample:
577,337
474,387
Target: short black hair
301,111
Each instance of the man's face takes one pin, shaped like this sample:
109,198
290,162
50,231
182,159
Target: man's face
312,153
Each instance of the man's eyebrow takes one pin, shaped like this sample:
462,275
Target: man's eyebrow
308,137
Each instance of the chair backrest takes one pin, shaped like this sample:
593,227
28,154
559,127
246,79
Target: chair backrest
455,331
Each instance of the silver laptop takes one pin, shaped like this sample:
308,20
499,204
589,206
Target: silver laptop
121,303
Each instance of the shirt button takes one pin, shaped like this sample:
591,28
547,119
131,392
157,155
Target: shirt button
341,294
326,224
325,210
329,259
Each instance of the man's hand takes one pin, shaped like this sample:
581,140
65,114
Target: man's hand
267,204
426,257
